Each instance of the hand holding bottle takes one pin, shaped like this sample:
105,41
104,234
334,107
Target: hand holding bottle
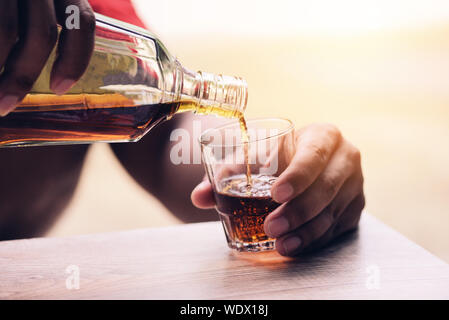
28,35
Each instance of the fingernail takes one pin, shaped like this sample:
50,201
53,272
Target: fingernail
282,193
277,227
62,86
291,244
7,104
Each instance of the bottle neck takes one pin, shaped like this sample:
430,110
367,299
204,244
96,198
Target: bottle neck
214,94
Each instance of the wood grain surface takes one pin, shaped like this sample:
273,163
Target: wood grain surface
193,262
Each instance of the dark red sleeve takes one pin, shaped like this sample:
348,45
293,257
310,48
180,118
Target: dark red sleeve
118,9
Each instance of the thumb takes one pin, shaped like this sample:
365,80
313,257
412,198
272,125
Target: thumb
202,196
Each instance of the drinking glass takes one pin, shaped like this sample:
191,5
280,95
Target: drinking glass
242,172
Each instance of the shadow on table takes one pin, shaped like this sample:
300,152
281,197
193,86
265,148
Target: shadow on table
336,253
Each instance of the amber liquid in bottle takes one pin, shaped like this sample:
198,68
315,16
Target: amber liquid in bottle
85,118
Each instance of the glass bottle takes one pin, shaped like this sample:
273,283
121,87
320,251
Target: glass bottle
131,84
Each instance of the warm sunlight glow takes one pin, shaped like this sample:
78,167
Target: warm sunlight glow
289,16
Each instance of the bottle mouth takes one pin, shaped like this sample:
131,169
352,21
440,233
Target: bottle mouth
227,92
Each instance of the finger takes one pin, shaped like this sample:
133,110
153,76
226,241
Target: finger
315,147
335,179
348,221
9,32
321,230
37,37
75,46
350,217
202,196
291,243
9,28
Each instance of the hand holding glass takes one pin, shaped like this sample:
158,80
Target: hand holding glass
242,173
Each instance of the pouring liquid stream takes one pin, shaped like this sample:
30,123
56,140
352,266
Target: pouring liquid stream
245,141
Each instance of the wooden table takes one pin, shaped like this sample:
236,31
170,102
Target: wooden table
193,262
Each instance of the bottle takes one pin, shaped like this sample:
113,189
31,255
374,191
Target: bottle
132,83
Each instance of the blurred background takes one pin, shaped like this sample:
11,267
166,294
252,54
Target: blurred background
377,69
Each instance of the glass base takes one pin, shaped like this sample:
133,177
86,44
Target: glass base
252,246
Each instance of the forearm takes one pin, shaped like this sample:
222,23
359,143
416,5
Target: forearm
36,185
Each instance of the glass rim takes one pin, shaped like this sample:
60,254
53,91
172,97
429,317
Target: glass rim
289,128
